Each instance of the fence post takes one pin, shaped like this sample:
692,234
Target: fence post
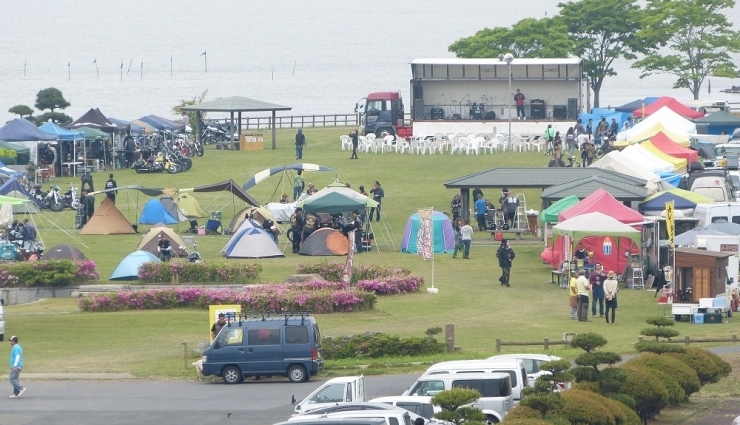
185,355
450,337
639,338
498,345
687,340
734,338
547,343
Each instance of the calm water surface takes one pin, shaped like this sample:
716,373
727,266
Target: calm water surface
318,57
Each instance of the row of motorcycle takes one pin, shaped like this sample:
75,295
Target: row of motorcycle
216,132
162,158
54,199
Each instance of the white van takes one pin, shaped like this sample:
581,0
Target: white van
713,185
531,362
515,368
717,212
419,405
495,389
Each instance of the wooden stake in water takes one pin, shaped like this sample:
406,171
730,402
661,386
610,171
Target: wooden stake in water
95,61
272,77
121,70
69,71
129,66
142,70
170,64
205,61
294,62
24,67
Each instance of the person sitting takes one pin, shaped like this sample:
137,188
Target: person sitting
164,249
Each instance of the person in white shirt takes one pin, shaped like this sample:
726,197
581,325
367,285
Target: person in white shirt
611,287
582,287
467,236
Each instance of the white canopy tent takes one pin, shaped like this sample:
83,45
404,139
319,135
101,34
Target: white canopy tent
646,160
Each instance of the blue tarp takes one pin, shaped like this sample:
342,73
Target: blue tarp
162,123
128,268
61,132
670,178
635,104
21,130
597,113
154,212
134,128
12,185
658,203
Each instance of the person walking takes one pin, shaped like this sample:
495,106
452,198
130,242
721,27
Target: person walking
519,101
505,257
16,364
298,185
573,298
354,136
582,288
111,184
466,234
29,234
296,229
611,287
480,213
378,195
300,143
597,288
86,180
456,227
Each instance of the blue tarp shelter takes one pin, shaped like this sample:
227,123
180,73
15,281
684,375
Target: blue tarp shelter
128,268
154,212
162,123
7,171
21,130
670,178
658,203
69,138
444,236
718,122
14,189
631,106
134,128
597,113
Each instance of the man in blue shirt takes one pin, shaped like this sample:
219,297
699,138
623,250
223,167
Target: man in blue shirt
16,364
480,213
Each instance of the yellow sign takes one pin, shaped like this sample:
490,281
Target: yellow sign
231,311
670,223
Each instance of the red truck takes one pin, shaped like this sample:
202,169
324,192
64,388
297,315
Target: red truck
384,113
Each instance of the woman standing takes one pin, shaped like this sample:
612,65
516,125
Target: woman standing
573,301
466,233
611,286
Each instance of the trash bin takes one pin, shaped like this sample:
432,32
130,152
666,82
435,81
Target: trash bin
532,221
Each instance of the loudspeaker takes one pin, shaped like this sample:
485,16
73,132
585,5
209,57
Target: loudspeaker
559,112
490,115
537,109
438,113
418,109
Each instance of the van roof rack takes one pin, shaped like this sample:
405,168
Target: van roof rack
264,316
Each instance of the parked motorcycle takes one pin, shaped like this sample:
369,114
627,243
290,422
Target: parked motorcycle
70,198
194,255
148,165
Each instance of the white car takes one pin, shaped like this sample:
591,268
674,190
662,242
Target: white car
736,421
420,405
531,363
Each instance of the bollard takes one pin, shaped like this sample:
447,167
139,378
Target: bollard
734,338
547,343
185,355
687,340
450,337
498,345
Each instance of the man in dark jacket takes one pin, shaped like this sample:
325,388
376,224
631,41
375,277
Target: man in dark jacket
505,257
86,179
129,145
111,184
300,143
89,202
296,229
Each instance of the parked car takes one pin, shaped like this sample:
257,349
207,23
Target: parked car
340,421
419,405
344,389
531,363
393,416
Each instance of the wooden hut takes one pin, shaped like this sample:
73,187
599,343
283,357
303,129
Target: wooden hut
705,272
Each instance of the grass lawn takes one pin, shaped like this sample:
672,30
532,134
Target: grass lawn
148,343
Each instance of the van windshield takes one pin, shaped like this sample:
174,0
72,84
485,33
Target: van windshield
493,387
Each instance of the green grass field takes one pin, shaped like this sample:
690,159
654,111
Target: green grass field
148,343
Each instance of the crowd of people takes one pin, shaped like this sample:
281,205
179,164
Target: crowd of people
597,288
581,139
485,210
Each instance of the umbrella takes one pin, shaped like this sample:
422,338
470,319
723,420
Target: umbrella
264,174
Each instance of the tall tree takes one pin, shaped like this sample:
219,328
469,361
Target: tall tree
50,98
603,31
528,38
699,36
21,110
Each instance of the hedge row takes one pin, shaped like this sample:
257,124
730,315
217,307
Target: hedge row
374,345
51,273
268,298
333,271
174,273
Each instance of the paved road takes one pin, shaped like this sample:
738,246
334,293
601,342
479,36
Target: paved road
177,403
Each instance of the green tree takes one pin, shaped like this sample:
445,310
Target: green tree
56,117
544,396
662,328
699,36
21,110
528,38
603,31
192,115
452,403
50,98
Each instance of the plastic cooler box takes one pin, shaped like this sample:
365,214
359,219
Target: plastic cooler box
699,318
713,318
719,303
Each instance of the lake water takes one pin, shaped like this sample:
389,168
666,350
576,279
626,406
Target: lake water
319,57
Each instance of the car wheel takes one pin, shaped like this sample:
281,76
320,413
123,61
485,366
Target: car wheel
490,420
232,375
297,373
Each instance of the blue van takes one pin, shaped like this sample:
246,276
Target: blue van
288,346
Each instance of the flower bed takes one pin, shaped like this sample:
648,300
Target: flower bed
166,273
333,271
268,298
392,285
51,273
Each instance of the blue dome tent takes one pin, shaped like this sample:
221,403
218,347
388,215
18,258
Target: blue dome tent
154,212
128,268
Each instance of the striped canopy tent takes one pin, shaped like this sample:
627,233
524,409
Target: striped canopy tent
679,164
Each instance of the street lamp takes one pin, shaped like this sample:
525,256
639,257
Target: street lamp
508,58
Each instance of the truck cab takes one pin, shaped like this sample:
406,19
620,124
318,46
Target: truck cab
384,114
344,389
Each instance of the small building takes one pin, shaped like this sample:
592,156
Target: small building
477,89
704,272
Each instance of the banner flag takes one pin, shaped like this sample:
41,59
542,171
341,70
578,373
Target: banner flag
425,236
670,223
347,272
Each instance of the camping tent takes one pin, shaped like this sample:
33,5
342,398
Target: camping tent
21,132
15,205
133,128
189,206
162,123
645,159
550,215
14,189
169,204
639,103
107,220
251,241
325,241
154,212
615,161
694,197
687,238
673,125
258,213
150,240
334,199
656,204
671,103
603,202
595,224
444,236
718,122
6,214
665,144
679,164
128,268
64,252
94,119
22,153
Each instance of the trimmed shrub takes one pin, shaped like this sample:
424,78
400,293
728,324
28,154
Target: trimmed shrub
588,341
333,271
708,366
659,347
660,333
521,413
623,414
647,390
586,385
676,395
582,407
392,285
508,421
174,273
371,345
453,406
268,298
51,273
684,375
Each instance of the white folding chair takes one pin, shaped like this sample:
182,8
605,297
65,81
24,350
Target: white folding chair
516,142
346,142
371,143
502,141
474,146
389,143
402,144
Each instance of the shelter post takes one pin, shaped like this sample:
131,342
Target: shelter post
231,131
465,193
239,125
272,123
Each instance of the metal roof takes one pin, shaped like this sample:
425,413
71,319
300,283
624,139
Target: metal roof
537,178
705,253
236,104
516,61
587,185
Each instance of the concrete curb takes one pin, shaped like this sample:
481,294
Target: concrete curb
73,376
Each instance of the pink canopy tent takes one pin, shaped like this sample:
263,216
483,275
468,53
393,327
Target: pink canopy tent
668,146
672,104
603,202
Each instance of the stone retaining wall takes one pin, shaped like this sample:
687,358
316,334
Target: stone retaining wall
13,296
